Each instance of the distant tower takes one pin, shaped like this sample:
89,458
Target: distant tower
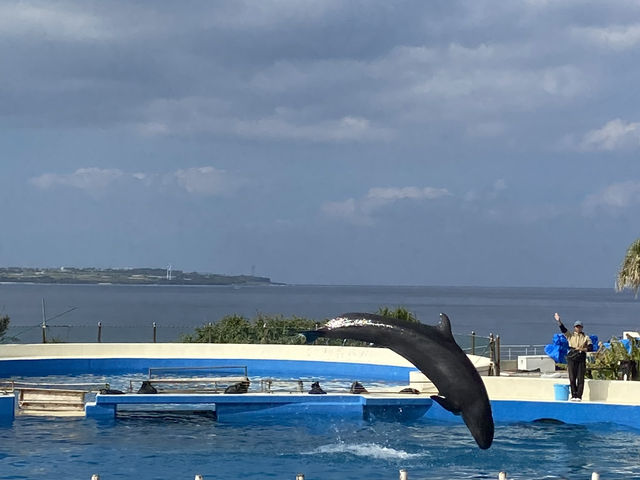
169,272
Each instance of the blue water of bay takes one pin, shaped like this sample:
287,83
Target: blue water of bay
518,315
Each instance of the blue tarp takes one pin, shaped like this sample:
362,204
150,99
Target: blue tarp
560,346
624,341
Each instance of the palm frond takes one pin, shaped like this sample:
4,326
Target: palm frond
629,273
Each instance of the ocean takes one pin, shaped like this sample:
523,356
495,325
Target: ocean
521,316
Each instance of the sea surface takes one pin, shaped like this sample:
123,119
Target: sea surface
521,316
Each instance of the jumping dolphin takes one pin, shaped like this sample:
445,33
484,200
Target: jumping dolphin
434,352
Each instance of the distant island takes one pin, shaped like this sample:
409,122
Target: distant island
124,276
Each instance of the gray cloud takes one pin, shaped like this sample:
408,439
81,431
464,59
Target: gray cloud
613,198
361,211
209,116
615,37
614,135
89,179
63,22
307,71
207,181
203,181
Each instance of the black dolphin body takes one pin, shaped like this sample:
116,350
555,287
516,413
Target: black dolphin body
435,353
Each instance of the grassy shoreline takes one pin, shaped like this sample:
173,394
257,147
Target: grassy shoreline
123,276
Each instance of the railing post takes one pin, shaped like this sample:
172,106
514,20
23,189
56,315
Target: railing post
404,475
497,369
99,332
502,476
492,354
154,332
44,323
473,343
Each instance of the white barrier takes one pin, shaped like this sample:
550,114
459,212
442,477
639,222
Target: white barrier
403,475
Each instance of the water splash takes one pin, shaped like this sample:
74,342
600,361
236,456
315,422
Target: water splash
370,450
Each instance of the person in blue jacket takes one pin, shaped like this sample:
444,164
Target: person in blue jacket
579,345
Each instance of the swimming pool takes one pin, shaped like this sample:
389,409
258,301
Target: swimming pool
168,447
164,446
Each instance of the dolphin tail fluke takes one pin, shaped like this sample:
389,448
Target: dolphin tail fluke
311,335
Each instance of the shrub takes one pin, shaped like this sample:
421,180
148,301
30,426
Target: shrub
263,329
607,360
400,313
4,326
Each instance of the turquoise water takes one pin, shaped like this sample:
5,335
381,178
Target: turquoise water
171,447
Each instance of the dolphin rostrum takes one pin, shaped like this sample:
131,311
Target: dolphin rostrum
435,353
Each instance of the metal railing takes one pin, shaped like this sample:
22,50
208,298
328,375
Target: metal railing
156,332
96,333
511,352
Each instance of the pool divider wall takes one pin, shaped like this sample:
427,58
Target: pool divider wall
229,407
7,407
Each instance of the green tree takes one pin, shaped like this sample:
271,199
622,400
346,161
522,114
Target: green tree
281,330
629,274
231,329
400,313
263,329
4,325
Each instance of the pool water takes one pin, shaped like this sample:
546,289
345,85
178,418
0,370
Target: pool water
168,447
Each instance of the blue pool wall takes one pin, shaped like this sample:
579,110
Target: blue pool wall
261,360
527,411
256,367
7,408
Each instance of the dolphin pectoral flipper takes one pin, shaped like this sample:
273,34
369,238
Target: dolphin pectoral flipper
446,404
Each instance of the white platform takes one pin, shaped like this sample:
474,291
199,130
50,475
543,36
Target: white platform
535,362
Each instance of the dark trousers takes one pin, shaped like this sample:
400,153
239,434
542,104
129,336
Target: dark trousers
576,370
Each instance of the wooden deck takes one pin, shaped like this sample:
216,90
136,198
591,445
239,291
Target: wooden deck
51,402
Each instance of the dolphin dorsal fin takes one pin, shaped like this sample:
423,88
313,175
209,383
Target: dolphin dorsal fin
445,325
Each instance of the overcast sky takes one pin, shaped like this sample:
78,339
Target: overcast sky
325,142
